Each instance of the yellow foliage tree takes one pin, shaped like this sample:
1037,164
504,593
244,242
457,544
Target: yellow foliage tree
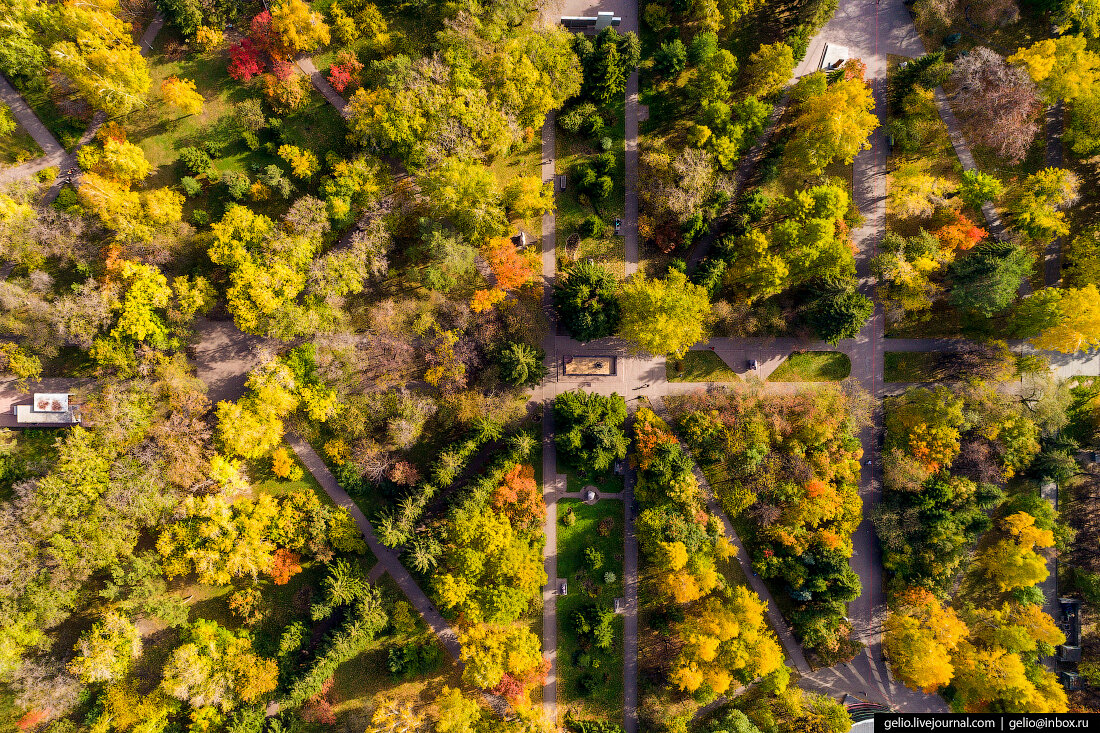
1062,67
726,641
1078,321
919,638
297,28
1012,562
181,94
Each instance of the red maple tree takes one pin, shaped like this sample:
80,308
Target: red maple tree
245,61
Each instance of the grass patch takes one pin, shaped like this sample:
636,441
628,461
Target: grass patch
813,366
910,366
607,483
700,366
604,700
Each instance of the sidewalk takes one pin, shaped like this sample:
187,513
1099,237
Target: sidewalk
386,557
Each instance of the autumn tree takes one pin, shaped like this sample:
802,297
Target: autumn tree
465,194
221,541
1036,208
663,316
490,572
926,424
960,235
770,68
106,651
98,56
1062,67
457,713
976,188
1061,319
1011,562
510,267
519,497
1082,15
214,667
1082,266
181,94
267,270
489,652
296,29
918,638
1000,100
726,642
832,125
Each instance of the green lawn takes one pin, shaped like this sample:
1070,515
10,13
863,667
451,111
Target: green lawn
813,366
903,366
607,483
608,249
606,700
700,366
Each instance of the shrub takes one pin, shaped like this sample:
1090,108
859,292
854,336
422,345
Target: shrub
236,184
190,186
195,160
754,205
200,218
584,118
592,226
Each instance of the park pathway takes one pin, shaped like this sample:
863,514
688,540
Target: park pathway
966,158
387,558
553,488
1053,126
52,150
321,84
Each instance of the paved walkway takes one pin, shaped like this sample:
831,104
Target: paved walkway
553,487
966,158
321,84
630,610
1052,256
386,557
28,120
26,117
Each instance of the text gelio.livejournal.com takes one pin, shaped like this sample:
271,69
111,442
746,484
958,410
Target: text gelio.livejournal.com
902,722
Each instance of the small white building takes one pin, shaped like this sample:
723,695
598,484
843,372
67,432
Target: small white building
47,409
